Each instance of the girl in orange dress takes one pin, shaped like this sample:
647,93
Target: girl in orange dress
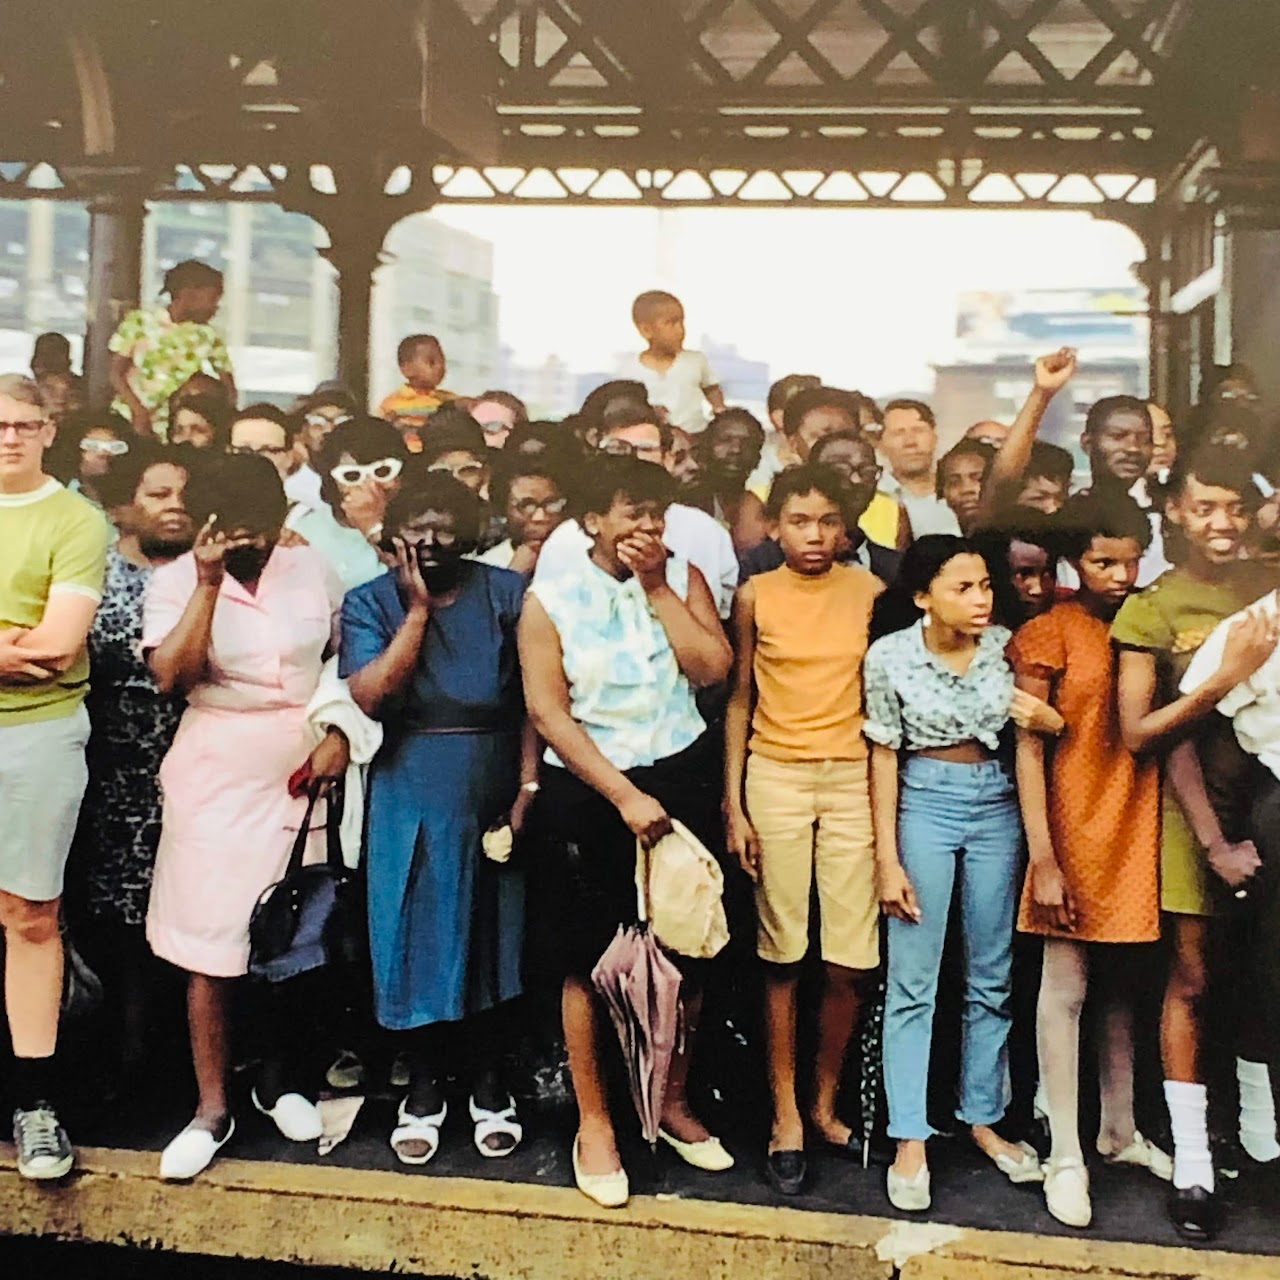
1092,818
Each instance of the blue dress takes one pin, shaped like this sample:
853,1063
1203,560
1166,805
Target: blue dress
446,925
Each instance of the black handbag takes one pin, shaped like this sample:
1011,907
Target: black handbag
311,919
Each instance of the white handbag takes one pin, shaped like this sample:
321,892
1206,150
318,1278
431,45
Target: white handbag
684,902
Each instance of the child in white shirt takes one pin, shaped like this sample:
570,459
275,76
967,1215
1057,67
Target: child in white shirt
677,380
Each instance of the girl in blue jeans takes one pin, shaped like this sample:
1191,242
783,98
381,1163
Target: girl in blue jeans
938,694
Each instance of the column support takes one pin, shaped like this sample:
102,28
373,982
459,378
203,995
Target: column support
116,221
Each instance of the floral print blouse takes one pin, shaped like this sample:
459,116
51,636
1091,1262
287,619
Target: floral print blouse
914,700
165,353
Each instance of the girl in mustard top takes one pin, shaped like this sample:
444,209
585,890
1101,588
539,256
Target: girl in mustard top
796,800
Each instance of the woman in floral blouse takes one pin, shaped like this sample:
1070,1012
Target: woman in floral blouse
155,351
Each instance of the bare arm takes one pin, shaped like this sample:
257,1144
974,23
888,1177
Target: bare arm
59,637
715,398
897,895
181,659
1233,863
392,669
546,694
1048,885
693,626
121,367
751,528
1052,374
740,835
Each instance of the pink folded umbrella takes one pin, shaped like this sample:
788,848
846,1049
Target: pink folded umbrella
640,986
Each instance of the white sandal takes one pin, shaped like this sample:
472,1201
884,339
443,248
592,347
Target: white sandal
414,1132
490,1123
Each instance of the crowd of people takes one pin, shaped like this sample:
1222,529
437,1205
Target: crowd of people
1006,732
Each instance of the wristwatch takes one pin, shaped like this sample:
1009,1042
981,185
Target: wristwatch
531,787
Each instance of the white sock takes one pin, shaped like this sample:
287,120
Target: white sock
1257,1111
1188,1115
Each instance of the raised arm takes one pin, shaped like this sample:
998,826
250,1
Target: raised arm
693,626
179,662
1051,375
1145,727
139,414
387,674
739,833
546,695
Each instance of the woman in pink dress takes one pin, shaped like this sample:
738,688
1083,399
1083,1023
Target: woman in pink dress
241,625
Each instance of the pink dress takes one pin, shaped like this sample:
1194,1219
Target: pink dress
228,821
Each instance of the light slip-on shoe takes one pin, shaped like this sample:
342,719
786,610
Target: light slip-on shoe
608,1190
1027,1169
708,1155
295,1117
1066,1191
1142,1153
192,1152
911,1195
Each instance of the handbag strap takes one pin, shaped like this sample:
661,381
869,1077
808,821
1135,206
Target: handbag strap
336,799
304,830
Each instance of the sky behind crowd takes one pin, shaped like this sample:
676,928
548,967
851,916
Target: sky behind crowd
862,297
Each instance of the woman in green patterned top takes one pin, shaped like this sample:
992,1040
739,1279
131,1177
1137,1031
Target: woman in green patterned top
155,351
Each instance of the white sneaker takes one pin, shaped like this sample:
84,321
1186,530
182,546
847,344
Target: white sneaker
911,1195
1066,1191
295,1117
191,1152
1142,1153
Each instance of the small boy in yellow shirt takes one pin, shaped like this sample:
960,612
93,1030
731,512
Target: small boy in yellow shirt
421,360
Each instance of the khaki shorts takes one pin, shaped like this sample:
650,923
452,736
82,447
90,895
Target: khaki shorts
813,818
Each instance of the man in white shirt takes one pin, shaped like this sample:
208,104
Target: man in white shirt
909,445
690,533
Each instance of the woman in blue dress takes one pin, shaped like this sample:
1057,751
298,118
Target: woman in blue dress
430,651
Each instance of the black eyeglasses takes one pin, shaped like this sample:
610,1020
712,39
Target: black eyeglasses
26,430
262,450
528,507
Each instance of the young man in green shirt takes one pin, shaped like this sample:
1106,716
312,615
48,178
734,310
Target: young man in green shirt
55,546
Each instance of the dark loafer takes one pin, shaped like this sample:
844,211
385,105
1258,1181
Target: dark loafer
786,1171
1196,1214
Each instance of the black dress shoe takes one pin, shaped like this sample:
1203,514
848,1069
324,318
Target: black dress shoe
786,1171
1196,1214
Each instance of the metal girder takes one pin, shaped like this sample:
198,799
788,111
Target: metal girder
407,188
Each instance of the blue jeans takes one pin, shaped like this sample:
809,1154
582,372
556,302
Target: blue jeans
954,821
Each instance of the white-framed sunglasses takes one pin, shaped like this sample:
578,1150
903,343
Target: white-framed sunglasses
494,428
321,420
352,473
113,447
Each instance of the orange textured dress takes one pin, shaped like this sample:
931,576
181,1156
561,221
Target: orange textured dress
1104,803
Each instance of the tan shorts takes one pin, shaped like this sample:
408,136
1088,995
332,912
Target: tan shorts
813,818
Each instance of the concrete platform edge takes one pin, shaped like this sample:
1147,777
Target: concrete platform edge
379,1221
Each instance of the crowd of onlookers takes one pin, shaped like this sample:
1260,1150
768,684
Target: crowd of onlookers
1012,735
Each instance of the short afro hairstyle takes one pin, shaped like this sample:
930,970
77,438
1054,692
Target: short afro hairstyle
423,490
611,477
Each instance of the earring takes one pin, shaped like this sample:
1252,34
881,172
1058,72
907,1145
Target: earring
927,619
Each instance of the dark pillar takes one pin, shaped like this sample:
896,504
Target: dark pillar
115,280
355,251
1254,297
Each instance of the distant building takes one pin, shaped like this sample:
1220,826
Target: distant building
279,309
549,389
999,336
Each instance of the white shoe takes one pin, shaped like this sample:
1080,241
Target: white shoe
608,1190
911,1195
417,1138
1019,1171
1066,1191
295,1117
1142,1153
708,1155
192,1152
489,1124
